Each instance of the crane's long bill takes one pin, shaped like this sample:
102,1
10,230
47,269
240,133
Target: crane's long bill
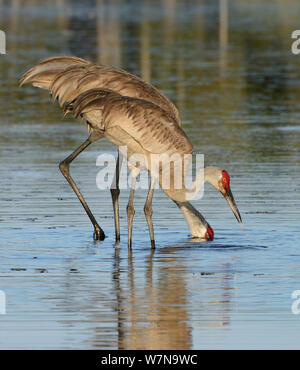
229,197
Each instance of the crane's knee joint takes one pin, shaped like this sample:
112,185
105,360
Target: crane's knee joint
148,211
95,135
64,167
130,210
115,192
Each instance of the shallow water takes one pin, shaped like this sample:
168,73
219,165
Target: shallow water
239,101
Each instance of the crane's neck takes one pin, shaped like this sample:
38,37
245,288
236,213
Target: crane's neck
185,194
196,222
210,175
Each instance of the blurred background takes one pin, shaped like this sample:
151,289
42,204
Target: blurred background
228,67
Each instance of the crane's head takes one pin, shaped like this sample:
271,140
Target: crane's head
209,235
224,188
199,227
220,179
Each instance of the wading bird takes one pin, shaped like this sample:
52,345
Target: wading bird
73,80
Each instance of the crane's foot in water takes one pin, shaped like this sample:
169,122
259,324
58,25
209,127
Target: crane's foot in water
117,242
98,234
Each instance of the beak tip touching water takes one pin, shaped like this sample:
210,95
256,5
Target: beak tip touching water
239,217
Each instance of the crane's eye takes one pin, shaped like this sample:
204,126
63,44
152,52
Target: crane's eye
225,179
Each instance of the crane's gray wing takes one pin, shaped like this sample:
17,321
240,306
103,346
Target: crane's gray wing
146,123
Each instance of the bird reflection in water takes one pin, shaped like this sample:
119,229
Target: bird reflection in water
155,310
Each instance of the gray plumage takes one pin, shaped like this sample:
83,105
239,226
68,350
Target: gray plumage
125,109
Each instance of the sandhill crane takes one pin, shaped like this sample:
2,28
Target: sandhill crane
68,79
146,129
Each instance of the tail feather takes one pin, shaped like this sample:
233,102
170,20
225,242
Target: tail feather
52,66
90,99
75,80
98,77
66,82
67,90
67,109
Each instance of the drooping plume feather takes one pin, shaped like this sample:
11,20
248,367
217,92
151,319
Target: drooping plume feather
67,77
42,74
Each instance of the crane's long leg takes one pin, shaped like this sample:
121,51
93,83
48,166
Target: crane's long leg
64,167
130,212
115,192
148,211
